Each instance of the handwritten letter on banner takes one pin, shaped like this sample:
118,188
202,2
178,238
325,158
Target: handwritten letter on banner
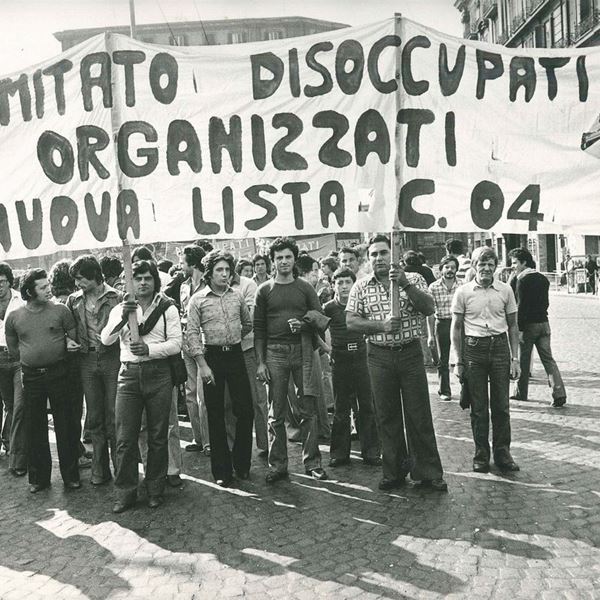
361,129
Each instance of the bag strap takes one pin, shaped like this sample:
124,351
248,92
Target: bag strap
148,325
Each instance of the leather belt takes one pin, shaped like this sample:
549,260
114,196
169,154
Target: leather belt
223,348
397,348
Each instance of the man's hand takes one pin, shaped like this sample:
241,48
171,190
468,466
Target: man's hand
127,307
206,374
295,325
139,348
392,324
431,343
72,345
398,274
459,371
515,369
262,373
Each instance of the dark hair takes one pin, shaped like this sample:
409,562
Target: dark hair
283,243
139,267
111,266
350,250
522,255
305,264
379,237
193,256
212,258
87,266
454,246
334,253
174,270
60,278
264,257
142,253
344,272
7,272
448,259
325,294
422,258
28,282
243,262
331,262
411,258
164,265
205,245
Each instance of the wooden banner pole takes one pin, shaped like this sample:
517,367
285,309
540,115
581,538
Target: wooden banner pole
129,295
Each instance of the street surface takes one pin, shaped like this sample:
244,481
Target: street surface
534,534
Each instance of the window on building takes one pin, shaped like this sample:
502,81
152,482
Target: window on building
274,35
238,37
210,39
585,9
177,40
548,33
557,26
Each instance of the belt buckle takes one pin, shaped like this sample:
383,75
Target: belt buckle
43,370
352,347
226,348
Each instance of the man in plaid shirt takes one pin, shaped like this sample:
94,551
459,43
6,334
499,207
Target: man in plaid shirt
395,360
438,325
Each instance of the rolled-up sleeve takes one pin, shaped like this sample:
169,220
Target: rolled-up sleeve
172,345
193,332
114,318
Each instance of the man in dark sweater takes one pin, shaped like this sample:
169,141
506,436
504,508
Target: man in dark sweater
281,304
350,378
531,292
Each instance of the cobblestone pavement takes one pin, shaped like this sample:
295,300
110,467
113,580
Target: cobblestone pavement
535,534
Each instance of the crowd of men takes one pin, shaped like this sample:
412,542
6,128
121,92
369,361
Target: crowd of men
266,345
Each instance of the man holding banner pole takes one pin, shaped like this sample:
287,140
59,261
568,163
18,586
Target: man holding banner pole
396,367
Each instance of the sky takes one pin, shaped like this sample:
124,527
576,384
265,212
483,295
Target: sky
26,26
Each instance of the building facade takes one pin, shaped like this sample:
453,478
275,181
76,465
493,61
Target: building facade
538,24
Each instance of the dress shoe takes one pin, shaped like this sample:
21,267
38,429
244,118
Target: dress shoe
445,397
439,485
122,505
155,501
558,402
34,488
18,472
193,448
481,466
243,475
318,473
509,465
72,485
339,462
274,476
174,480
385,485
224,483
375,461
99,480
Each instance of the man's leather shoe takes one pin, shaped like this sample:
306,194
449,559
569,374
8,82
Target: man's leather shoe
510,465
274,476
174,480
155,501
18,472
34,488
72,485
339,462
194,448
100,480
558,402
122,505
318,473
439,485
225,482
385,485
481,466
373,462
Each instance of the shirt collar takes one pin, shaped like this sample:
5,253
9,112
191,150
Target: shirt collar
495,284
207,290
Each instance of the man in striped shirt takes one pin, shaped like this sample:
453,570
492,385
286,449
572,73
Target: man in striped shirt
455,248
438,324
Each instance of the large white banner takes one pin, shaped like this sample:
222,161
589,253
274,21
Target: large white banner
361,129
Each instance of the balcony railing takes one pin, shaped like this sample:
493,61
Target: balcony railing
586,25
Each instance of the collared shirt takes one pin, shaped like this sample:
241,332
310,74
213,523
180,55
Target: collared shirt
484,309
186,292
371,300
92,321
216,319
442,297
159,344
247,288
15,302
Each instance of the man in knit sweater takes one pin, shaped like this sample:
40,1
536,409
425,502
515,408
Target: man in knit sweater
531,292
281,304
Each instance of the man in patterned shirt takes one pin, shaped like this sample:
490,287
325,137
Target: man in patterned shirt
396,367
438,326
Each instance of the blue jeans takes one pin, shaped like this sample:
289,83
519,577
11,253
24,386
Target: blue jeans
350,376
538,335
144,385
402,400
39,387
283,360
487,361
99,373
14,431
442,335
